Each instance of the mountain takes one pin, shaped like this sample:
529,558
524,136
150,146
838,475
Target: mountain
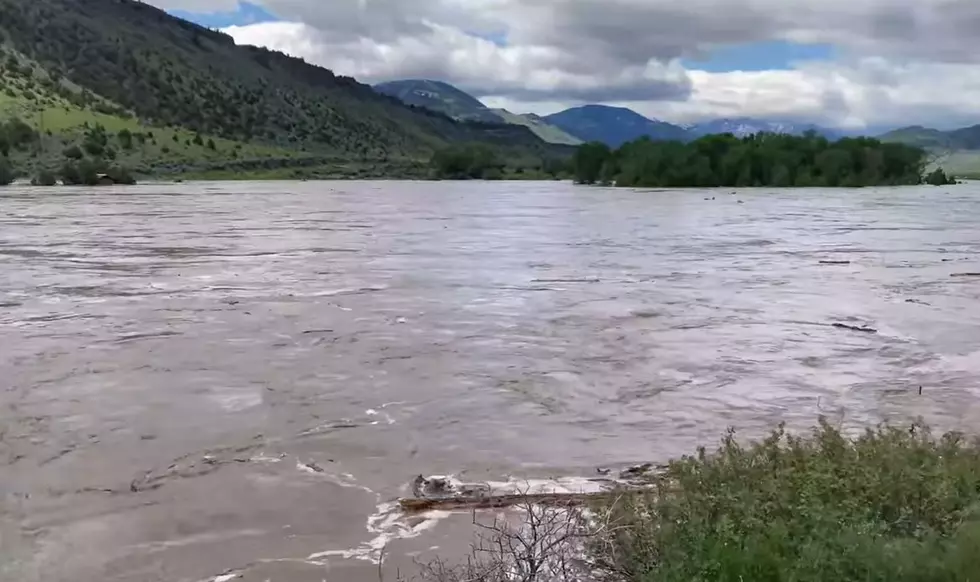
919,136
745,126
438,96
444,98
965,138
613,126
541,128
128,65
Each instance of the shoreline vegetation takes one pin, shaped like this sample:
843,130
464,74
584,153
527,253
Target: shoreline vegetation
894,504
94,155
764,159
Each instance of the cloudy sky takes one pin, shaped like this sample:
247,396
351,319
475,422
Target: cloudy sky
845,63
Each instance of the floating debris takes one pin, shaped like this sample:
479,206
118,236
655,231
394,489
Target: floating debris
835,262
969,274
860,328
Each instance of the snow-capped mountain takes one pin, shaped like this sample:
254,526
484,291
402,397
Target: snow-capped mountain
744,126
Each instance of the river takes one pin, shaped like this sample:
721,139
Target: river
207,380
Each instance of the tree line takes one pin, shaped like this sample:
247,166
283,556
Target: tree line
764,159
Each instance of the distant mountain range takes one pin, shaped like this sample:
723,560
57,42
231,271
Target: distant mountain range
618,125
744,126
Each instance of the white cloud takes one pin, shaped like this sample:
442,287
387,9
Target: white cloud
904,60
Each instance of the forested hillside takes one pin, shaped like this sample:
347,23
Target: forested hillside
120,60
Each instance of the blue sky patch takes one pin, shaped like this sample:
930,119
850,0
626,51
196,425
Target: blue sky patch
247,13
760,56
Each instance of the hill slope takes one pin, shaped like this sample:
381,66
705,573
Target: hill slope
456,103
613,126
438,96
541,128
919,136
133,59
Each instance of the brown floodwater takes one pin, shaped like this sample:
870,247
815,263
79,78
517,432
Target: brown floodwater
207,380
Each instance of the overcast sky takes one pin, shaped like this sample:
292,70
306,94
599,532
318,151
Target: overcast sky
848,63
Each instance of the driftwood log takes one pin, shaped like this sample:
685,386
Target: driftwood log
416,504
442,493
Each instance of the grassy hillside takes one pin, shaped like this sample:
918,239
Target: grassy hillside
539,126
198,102
917,135
957,151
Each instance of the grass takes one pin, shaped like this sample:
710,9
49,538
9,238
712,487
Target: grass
895,504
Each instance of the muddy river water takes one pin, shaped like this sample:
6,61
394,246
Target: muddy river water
218,381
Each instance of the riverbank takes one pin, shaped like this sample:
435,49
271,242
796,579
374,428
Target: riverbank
894,503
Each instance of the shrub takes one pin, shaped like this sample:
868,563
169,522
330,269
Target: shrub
125,139
73,152
120,175
895,504
82,172
7,174
44,178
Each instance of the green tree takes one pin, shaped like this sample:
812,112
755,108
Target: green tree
755,160
73,152
588,162
7,174
125,139
44,178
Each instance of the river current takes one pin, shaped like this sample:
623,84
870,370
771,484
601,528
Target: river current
205,381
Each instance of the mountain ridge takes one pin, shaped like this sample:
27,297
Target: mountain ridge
447,99
613,126
131,60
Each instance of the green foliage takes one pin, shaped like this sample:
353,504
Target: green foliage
44,178
893,505
589,161
84,172
211,145
120,175
95,141
73,152
15,134
938,177
7,174
756,160
471,161
125,138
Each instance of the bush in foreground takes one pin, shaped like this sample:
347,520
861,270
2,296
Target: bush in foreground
895,504
44,178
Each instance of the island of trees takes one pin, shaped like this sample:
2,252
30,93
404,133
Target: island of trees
763,159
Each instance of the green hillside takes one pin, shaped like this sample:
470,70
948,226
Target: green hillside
957,150
539,126
187,99
917,135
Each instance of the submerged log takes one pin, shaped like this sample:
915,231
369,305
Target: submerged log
860,328
415,504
